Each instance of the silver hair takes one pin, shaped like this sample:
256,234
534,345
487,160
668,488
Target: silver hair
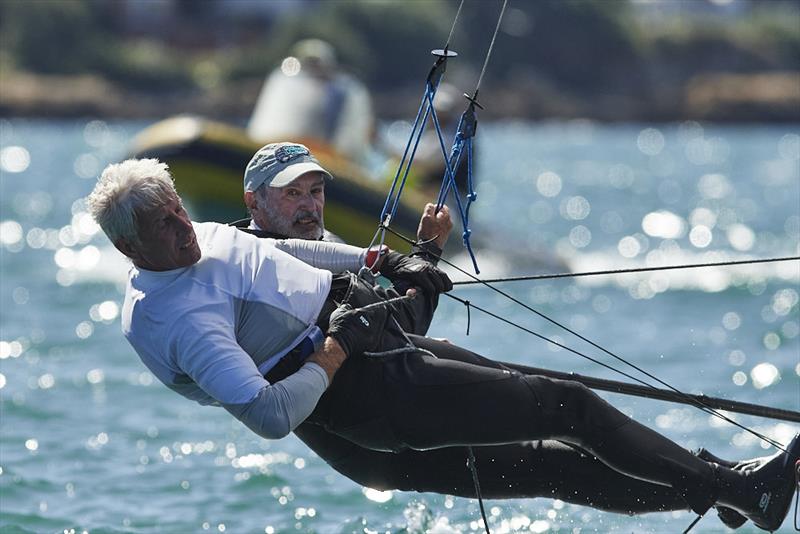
260,194
127,189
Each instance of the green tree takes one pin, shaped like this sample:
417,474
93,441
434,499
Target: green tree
51,36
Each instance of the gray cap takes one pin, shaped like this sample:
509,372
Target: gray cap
278,164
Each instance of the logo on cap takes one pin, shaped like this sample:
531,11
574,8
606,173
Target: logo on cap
287,153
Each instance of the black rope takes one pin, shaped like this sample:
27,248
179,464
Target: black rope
386,302
691,526
691,400
464,215
624,271
548,340
474,470
687,398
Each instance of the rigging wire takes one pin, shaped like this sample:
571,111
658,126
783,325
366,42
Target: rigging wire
548,340
690,400
624,271
463,139
465,132
426,108
491,47
474,471
453,27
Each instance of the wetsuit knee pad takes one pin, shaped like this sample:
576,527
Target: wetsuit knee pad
574,409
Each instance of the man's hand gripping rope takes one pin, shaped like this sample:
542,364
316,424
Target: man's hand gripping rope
415,271
358,330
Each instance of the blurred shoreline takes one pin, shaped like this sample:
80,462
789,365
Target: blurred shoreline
734,61
722,97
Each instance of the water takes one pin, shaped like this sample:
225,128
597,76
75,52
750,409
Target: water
90,442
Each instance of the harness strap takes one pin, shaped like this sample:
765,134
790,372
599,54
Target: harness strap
295,358
311,343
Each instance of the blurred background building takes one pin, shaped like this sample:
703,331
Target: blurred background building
723,60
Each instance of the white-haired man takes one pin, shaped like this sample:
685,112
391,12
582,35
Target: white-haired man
226,318
181,292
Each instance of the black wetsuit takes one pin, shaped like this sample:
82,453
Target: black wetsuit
401,420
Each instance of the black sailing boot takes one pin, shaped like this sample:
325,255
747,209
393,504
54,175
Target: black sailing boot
730,517
764,493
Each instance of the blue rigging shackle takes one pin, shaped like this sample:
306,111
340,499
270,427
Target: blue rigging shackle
425,109
467,126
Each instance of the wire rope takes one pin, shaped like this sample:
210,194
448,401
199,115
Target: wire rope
625,271
696,402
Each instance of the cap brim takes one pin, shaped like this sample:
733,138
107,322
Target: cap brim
292,172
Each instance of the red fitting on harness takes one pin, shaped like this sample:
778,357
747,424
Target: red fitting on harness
374,254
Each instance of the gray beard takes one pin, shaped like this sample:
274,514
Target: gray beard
278,225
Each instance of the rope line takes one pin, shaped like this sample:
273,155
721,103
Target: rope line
624,271
691,400
453,27
548,340
473,468
463,132
696,402
463,138
693,523
491,47
469,319
404,167
426,109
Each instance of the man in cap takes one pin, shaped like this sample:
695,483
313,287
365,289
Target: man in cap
284,191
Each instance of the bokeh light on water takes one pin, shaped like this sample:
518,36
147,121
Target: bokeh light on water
576,195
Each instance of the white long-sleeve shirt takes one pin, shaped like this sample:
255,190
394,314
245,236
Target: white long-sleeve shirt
211,331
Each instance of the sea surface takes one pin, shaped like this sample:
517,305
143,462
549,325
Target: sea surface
91,442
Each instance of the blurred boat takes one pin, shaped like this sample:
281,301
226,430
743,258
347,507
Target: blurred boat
207,160
307,99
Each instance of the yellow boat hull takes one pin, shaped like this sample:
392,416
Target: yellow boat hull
207,160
